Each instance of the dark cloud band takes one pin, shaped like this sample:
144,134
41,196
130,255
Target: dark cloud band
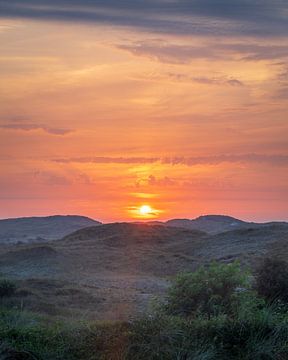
215,17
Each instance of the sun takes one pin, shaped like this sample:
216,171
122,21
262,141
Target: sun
145,210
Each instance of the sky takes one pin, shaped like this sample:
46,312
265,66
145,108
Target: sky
109,105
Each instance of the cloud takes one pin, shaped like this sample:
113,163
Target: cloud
278,160
282,93
6,27
31,127
165,52
50,178
257,52
108,160
283,76
201,17
216,80
169,53
154,181
234,82
218,159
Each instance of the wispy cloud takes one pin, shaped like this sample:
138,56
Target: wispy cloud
31,127
282,81
281,93
152,180
279,159
213,80
166,52
169,53
108,160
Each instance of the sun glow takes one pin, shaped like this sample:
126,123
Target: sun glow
145,210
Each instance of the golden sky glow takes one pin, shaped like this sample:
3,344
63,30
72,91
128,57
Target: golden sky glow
101,119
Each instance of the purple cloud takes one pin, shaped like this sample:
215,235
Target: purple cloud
31,127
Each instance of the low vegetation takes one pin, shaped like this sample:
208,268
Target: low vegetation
208,292
272,280
7,288
217,312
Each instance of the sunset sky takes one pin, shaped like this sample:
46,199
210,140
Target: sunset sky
108,105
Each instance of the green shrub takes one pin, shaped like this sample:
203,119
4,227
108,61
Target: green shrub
272,280
208,291
7,288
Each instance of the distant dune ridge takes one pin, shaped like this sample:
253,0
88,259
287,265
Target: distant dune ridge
211,224
118,267
38,229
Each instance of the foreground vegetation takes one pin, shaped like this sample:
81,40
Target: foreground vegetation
218,312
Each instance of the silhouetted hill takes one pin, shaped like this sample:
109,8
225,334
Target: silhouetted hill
39,229
129,234
247,244
210,223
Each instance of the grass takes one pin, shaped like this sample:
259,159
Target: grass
34,334
238,325
7,288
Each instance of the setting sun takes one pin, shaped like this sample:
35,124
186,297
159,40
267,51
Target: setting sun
145,210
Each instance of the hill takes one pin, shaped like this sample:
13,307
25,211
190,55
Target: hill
216,224
112,271
39,229
210,223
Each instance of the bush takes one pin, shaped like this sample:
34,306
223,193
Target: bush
208,291
7,288
272,280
